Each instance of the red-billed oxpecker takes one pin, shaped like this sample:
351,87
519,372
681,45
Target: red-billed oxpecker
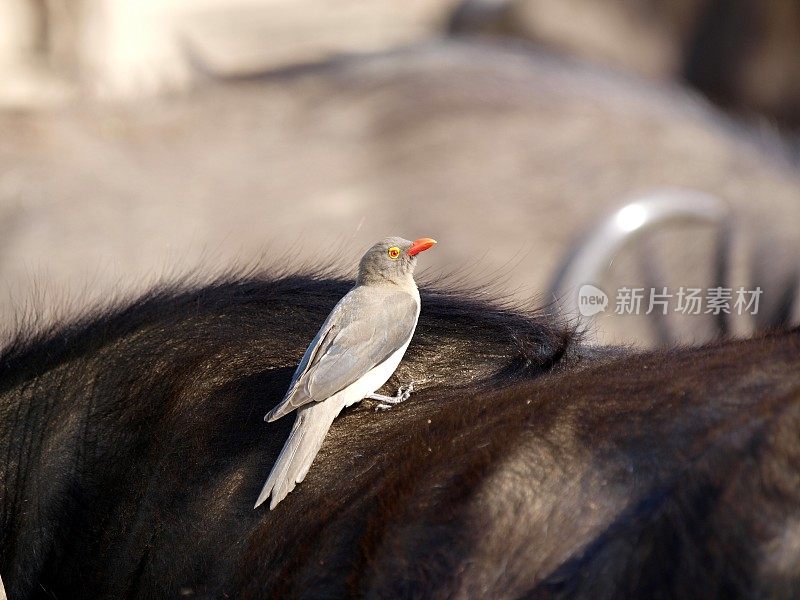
354,353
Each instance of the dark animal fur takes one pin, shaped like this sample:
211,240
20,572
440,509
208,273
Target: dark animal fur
525,465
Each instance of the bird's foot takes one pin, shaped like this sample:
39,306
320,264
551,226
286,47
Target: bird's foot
386,402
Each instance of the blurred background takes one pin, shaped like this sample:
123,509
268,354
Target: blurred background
547,145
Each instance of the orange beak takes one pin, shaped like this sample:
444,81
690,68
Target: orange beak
421,245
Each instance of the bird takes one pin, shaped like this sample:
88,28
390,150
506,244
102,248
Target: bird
356,350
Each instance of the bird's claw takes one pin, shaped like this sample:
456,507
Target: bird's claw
403,394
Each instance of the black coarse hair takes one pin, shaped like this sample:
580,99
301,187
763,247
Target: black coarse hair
525,464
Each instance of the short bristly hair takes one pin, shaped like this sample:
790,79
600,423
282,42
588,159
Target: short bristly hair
525,464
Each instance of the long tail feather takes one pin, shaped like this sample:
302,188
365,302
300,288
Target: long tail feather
308,432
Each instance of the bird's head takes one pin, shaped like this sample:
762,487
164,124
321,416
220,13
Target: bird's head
391,260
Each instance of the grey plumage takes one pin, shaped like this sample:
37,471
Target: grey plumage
355,351
363,329
308,433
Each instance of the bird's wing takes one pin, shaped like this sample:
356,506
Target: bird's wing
364,329
380,327
323,339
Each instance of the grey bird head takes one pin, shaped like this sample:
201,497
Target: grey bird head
391,261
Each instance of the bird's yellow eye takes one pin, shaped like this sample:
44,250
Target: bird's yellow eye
394,252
